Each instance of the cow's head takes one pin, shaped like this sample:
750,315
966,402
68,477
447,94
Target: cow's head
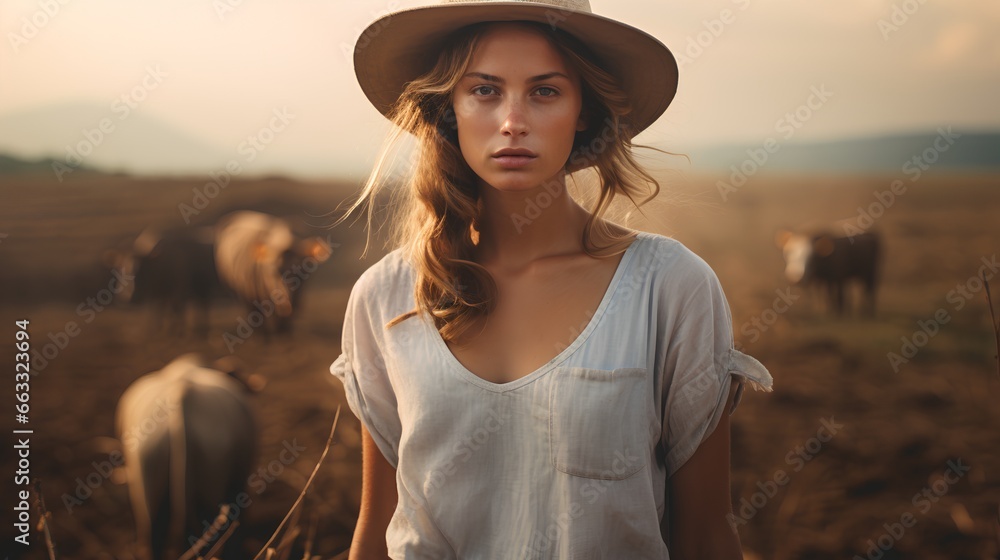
315,248
305,254
800,252
237,369
128,262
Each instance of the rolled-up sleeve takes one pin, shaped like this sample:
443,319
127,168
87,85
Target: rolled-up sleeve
701,362
361,368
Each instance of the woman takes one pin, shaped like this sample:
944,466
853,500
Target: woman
532,380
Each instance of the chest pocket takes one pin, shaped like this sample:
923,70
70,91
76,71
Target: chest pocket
597,421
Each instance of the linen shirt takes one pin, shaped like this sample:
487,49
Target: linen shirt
569,461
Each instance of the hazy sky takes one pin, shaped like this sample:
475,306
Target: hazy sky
222,73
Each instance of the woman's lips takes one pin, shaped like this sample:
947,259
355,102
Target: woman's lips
513,162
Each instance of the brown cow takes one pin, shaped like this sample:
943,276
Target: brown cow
172,270
831,260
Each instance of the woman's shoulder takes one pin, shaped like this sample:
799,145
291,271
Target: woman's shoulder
672,259
391,274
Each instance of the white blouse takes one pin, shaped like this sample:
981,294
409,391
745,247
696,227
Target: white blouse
570,461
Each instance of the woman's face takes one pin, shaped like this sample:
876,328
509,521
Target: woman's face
518,93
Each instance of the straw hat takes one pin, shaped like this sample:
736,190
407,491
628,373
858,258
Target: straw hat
402,45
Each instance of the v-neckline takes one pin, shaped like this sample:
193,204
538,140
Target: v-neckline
468,375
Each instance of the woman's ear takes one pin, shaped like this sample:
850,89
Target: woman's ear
581,123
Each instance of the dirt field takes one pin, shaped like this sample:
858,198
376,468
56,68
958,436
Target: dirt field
796,497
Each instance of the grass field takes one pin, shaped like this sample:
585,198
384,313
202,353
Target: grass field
903,429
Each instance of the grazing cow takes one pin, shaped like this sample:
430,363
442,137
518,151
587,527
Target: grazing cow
189,440
172,270
265,263
832,260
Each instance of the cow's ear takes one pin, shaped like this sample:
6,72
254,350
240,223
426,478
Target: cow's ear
230,365
237,369
823,246
256,382
782,237
316,248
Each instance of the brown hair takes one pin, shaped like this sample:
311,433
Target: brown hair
436,224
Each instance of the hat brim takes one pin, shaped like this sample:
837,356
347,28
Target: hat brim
402,45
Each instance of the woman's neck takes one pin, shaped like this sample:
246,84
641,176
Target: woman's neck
517,228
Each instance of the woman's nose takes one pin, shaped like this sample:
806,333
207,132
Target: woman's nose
514,123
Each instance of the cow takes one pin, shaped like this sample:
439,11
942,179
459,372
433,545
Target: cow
172,270
266,263
189,439
831,260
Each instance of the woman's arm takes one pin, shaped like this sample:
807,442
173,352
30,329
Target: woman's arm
378,502
698,498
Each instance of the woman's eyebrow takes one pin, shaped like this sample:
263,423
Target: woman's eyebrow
499,80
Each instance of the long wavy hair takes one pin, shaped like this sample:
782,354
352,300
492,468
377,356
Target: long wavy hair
438,203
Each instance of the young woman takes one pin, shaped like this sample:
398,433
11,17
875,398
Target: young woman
532,380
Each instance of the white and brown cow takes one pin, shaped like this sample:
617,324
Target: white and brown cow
832,260
266,263
189,439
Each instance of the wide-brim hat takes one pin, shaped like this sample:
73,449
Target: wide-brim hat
402,45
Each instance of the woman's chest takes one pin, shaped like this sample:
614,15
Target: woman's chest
537,317
591,415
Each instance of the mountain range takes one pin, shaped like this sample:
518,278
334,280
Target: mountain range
143,144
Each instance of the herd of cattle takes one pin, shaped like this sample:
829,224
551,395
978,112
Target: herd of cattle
256,257
202,437
187,431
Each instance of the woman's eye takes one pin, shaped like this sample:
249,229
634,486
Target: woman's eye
480,88
553,94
